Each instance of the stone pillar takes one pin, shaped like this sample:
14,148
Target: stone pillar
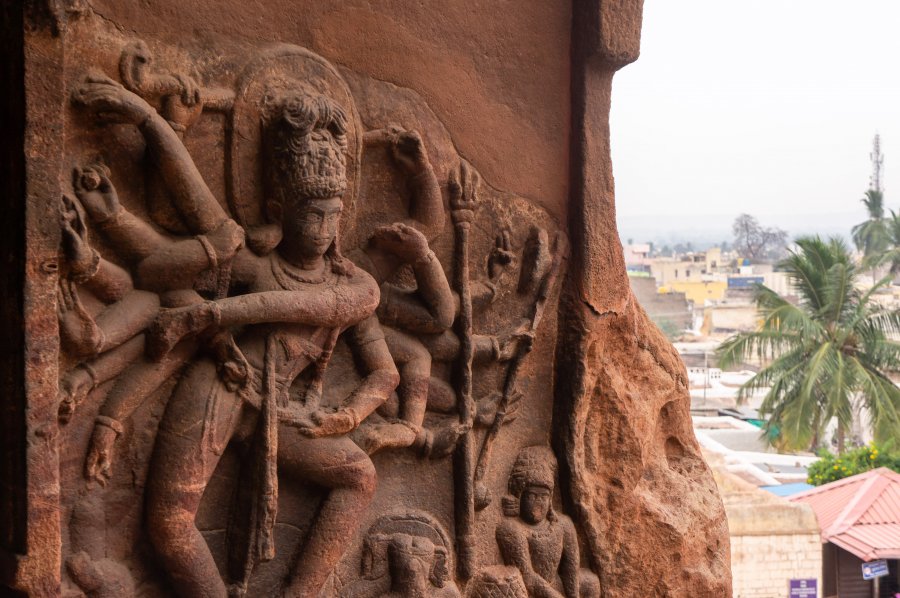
653,518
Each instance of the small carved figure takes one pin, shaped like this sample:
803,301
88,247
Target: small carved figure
407,555
541,543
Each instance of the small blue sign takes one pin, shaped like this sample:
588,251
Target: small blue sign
874,569
803,588
744,282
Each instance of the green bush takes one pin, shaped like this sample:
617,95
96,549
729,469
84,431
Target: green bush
831,467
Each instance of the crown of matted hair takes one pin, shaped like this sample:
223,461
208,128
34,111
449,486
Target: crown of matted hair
307,133
534,466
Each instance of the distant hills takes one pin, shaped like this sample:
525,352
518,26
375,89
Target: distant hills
706,230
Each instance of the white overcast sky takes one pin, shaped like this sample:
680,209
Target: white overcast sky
767,107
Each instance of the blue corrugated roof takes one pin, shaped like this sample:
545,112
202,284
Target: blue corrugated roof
787,489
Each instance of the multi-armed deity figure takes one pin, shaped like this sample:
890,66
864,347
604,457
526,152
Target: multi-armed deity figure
540,542
297,299
251,312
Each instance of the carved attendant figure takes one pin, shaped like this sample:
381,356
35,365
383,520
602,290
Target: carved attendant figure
541,543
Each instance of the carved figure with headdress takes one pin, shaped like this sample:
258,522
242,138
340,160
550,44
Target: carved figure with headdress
540,542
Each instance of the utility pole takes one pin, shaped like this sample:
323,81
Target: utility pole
877,164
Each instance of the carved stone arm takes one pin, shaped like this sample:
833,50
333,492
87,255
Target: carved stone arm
175,265
191,196
321,308
427,205
131,236
381,376
110,283
430,309
330,308
408,151
571,561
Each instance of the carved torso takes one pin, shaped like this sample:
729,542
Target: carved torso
545,544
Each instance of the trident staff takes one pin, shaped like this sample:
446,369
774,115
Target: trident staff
463,186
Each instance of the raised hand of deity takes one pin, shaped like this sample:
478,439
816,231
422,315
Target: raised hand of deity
110,101
96,192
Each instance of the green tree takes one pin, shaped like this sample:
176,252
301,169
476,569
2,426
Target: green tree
872,237
831,467
830,352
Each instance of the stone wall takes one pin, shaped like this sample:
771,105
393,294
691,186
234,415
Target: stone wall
761,566
772,540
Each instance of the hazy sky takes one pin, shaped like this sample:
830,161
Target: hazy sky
767,107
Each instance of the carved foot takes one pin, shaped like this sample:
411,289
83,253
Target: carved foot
444,441
376,437
101,578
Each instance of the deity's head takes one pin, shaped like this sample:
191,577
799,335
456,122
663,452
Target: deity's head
305,166
531,484
411,560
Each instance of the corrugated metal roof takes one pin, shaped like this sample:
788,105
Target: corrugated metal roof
861,514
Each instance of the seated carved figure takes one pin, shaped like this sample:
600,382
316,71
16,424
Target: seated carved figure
297,299
541,543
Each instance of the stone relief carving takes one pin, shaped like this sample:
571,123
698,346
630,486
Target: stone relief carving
308,327
541,543
405,554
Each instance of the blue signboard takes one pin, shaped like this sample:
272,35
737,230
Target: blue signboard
874,569
744,282
803,588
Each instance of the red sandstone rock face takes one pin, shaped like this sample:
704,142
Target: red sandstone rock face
510,102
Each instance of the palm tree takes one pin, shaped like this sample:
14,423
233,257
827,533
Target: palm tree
871,236
825,357
891,254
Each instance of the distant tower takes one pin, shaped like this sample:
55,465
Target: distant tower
877,164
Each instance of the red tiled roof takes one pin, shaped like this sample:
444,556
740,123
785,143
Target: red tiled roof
861,514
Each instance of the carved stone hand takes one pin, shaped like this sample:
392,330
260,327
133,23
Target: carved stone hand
77,329
111,101
501,256
81,259
172,325
72,389
487,409
98,467
408,150
96,192
401,240
509,343
323,423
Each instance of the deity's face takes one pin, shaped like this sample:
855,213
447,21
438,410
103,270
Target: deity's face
411,560
534,504
312,224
